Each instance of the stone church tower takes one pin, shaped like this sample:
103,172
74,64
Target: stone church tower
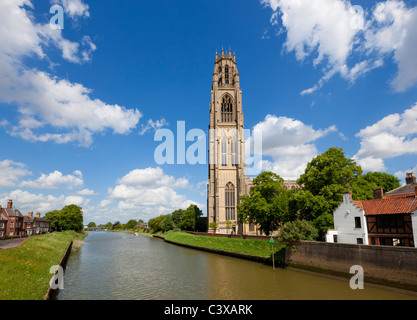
227,178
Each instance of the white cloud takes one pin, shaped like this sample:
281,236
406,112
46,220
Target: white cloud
25,201
334,32
55,180
11,172
52,109
290,144
75,8
145,192
155,125
87,192
392,136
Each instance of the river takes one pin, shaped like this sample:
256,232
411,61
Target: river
115,266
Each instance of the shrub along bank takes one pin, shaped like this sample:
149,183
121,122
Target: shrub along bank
252,249
24,270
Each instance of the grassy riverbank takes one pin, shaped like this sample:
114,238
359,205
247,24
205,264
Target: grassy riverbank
251,247
24,270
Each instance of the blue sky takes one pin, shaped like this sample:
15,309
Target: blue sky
80,106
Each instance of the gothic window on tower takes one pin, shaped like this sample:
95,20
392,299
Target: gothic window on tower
234,153
230,201
226,74
227,109
224,152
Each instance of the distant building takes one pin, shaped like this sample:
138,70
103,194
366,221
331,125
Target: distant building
35,225
389,219
14,224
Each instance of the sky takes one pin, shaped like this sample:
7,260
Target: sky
86,85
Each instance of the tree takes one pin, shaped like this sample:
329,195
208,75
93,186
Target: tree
188,218
53,218
68,218
266,204
167,223
131,224
155,223
328,169
228,225
293,232
362,187
177,217
213,225
92,225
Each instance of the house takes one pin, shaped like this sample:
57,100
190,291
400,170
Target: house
3,226
349,222
35,225
385,220
14,225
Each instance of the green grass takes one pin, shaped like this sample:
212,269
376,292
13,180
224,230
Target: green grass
24,270
253,247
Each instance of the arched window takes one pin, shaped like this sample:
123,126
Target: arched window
224,152
230,201
227,109
226,74
235,159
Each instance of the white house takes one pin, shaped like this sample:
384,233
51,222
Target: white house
349,222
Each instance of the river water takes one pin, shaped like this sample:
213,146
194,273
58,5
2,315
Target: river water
112,265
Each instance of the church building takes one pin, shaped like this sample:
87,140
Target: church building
227,177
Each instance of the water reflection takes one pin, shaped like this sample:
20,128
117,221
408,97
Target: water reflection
122,266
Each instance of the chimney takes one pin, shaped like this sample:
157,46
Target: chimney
10,204
378,193
30,213
38,214
410,178
347,196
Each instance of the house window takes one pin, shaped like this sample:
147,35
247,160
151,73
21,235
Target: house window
359,240
251,227
358,222
11,224
227,109
335,238
390,221
230,201
372,240
224,152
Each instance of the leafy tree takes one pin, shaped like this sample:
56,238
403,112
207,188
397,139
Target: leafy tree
293,232
362,187
108,225
177,217
131,224
328,173
167,223
155,223
68,218
53,218
213,225
188,219
92,225
266,204
228,225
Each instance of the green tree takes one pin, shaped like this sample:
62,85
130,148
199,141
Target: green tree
53,218
177,217
267,203
92,225
108,225
326,172
293,232
213,225
188,219
155,223
362,187
131,224
167,223
71,218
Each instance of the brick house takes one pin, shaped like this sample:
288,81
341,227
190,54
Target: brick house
3,226
35,225
14,224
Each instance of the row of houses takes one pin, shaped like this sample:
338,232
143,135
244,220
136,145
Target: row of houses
389,219
14,223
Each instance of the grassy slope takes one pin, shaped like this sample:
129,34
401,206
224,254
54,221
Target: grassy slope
259,248
24,270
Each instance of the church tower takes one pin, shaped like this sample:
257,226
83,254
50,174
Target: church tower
227,178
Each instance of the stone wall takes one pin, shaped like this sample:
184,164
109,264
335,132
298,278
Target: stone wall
394,266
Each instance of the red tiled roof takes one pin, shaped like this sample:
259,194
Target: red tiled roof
358,204
392,204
